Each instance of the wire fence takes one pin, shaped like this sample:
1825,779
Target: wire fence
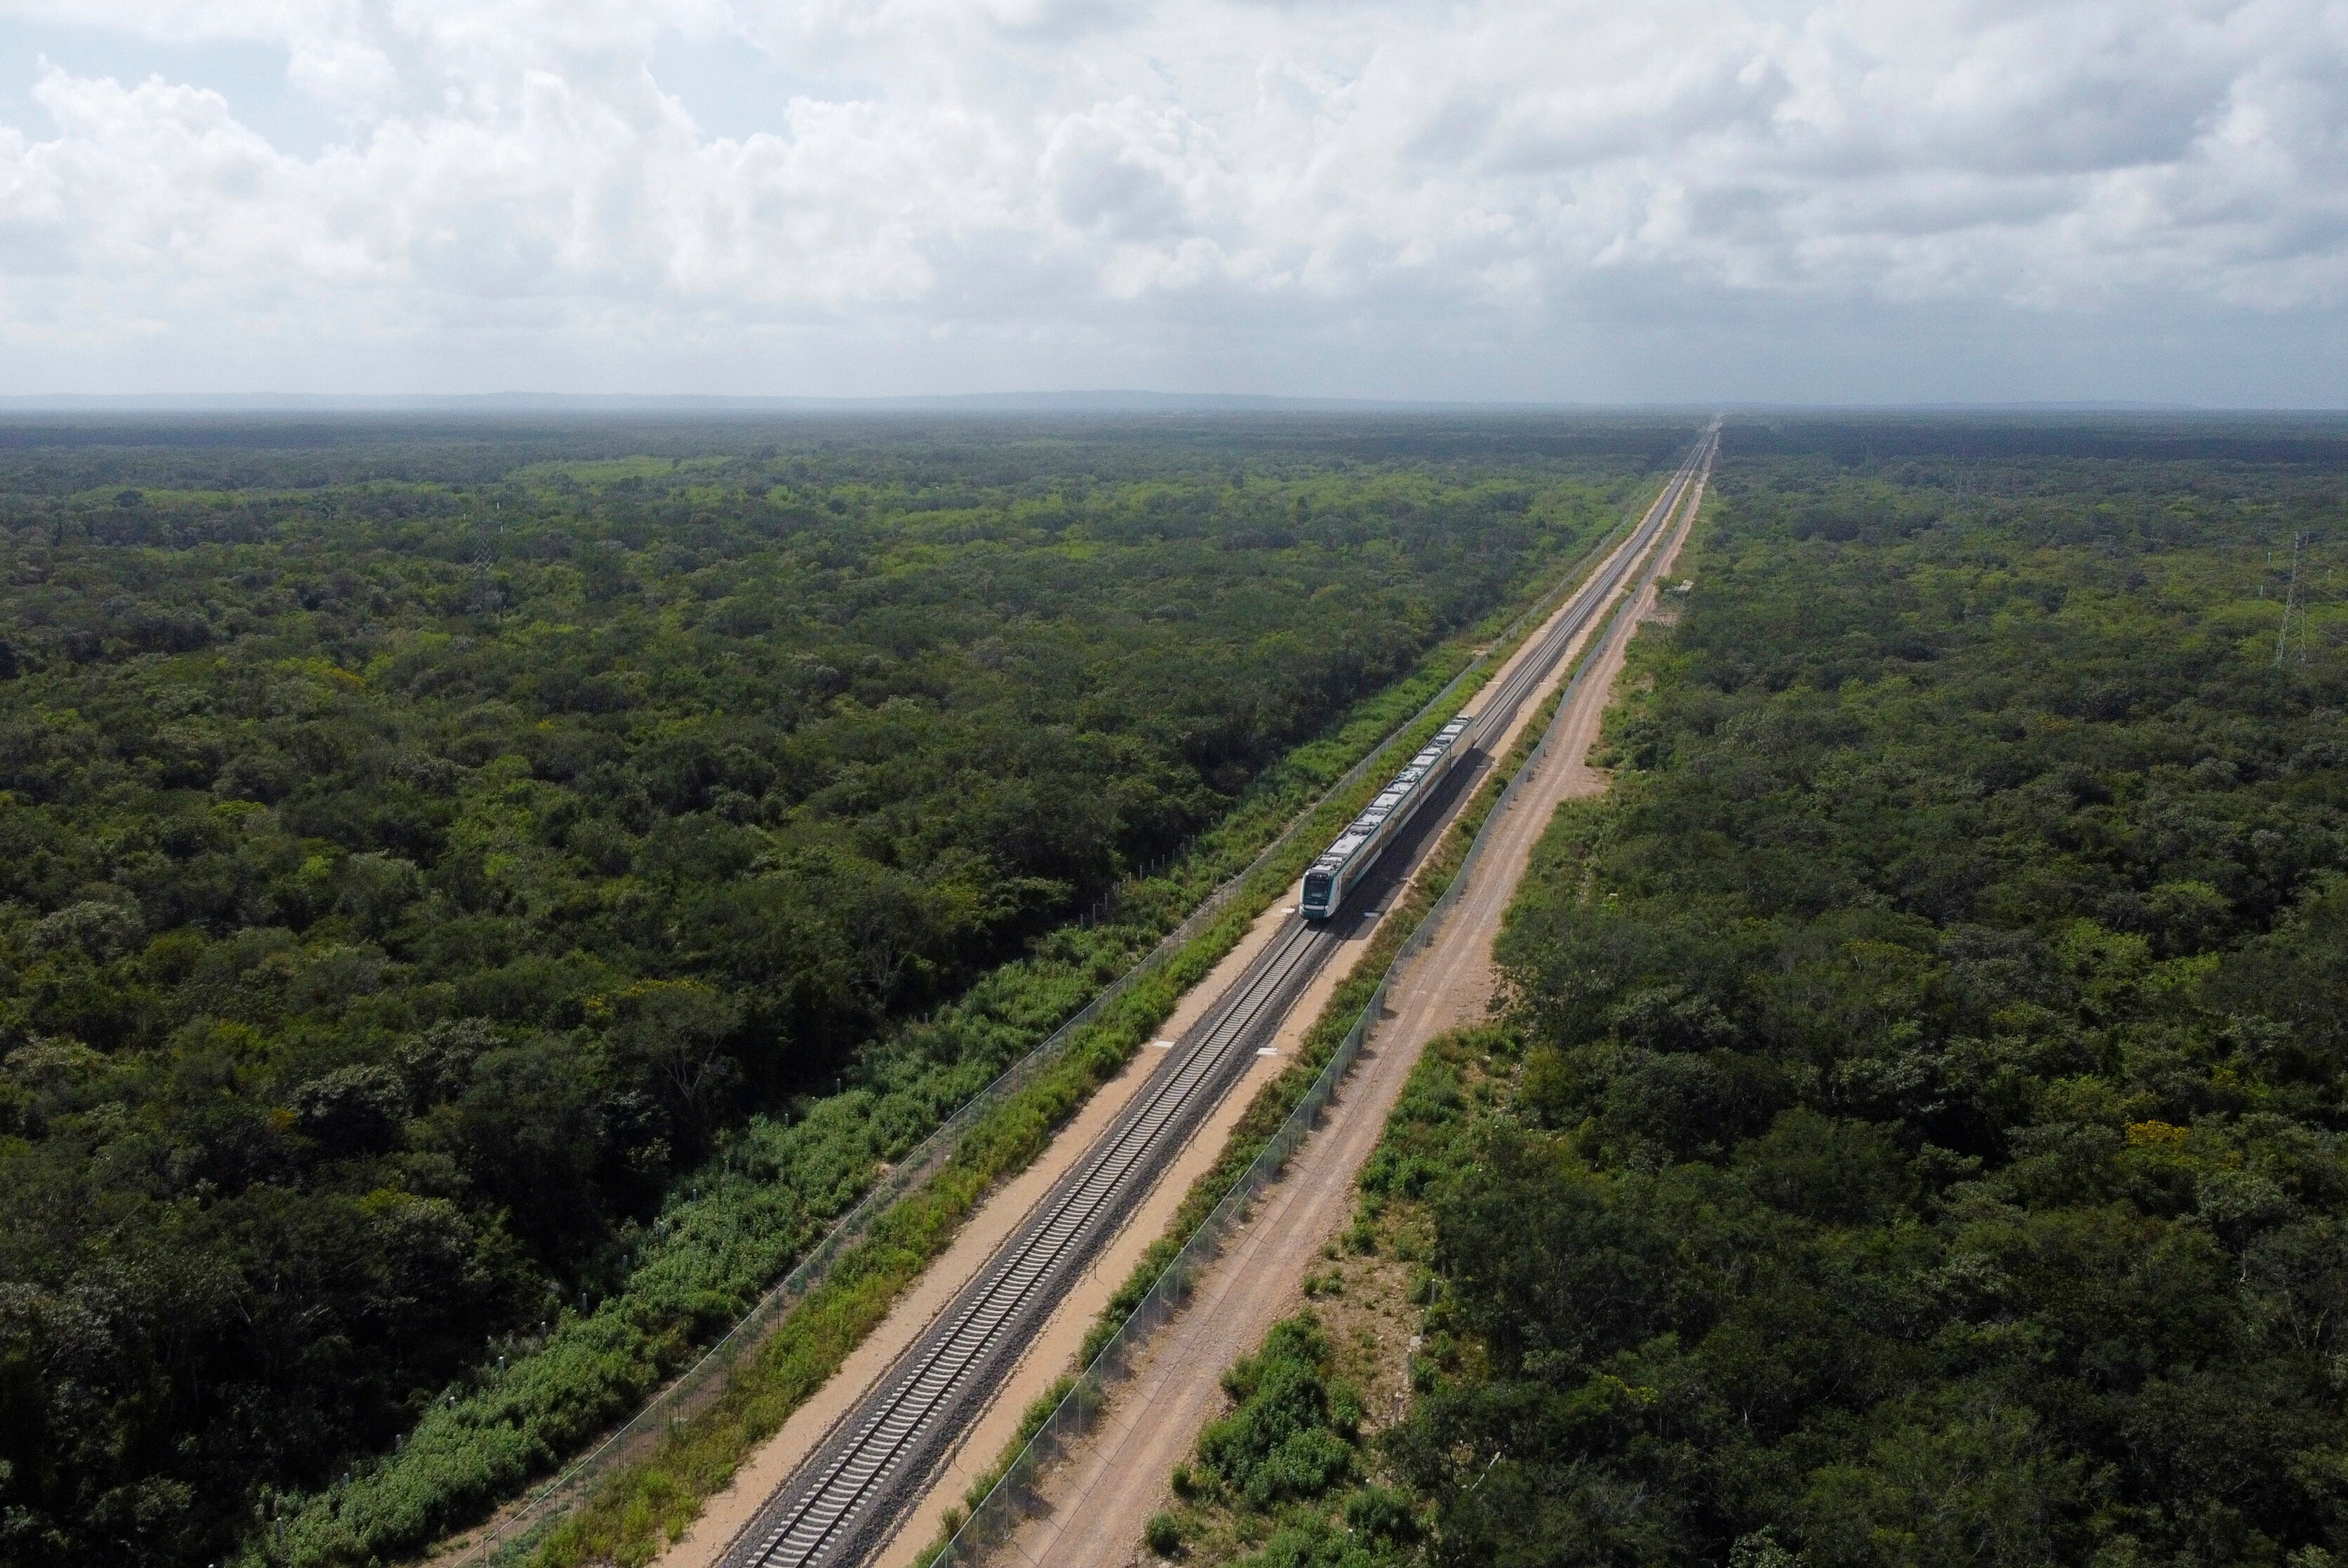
1016,1497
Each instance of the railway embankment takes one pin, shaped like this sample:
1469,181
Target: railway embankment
1092,1504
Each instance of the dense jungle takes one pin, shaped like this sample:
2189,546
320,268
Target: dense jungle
430,854
1915,1135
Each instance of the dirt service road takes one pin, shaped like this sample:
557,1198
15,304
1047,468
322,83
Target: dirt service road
1097,1499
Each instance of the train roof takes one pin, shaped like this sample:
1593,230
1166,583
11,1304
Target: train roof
1397,790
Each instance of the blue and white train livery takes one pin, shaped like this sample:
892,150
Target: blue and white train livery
1342,863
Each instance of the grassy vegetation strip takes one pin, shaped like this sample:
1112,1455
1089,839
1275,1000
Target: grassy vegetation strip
651,1502
1295,1474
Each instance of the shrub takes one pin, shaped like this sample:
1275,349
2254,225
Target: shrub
1163,1534
1293,1433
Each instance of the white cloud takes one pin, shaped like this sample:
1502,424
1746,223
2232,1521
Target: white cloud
1104,190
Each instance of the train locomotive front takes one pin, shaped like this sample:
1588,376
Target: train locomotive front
1344,862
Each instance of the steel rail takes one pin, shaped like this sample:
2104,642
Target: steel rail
1059,1231
1511,691
842,1500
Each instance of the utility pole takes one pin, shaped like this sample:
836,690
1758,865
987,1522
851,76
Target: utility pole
2290,603
488,598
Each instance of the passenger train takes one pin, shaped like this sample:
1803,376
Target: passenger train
1342,863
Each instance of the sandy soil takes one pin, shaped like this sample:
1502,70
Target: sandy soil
987,1228
1054,1350
1096,1499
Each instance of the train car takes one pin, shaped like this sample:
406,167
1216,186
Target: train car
1344,862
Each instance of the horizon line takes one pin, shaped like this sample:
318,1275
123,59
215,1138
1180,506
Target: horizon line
1107,400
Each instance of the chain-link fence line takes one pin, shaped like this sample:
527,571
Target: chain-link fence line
1015,1497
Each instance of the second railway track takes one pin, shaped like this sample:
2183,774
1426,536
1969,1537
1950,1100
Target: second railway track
836,1507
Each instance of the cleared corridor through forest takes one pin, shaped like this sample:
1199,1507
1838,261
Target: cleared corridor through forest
841,1502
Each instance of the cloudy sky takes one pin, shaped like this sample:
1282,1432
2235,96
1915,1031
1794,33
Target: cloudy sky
1862,201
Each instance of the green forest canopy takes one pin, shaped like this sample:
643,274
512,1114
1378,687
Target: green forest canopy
1918,1135
419,845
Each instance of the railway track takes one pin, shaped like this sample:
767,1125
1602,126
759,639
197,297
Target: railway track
840,1504
1499,705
